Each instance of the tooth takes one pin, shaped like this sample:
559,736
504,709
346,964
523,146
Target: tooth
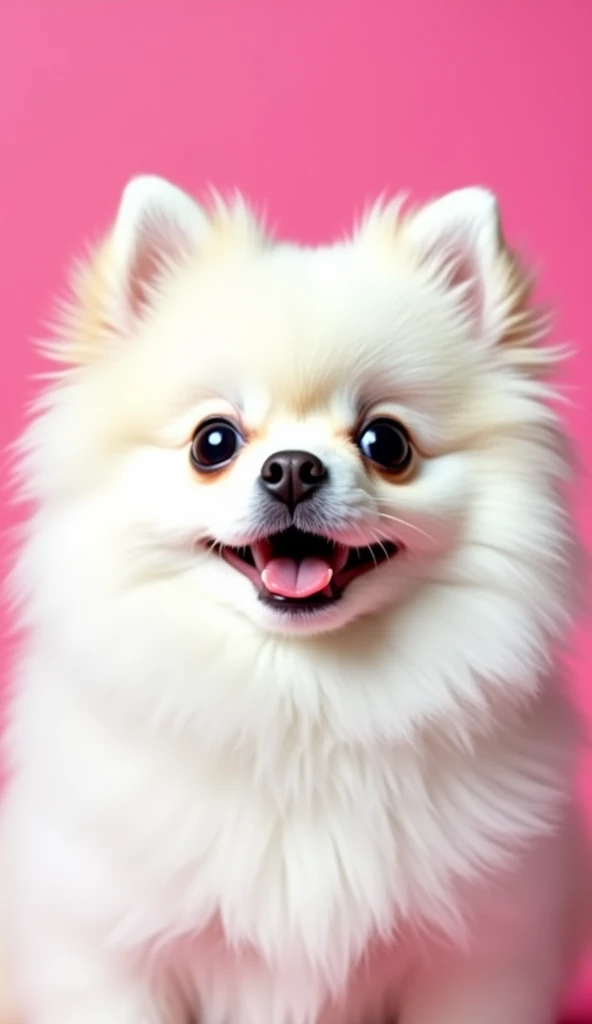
340,557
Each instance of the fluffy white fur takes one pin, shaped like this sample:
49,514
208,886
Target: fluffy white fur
219,813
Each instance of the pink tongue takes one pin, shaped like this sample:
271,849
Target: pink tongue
288,578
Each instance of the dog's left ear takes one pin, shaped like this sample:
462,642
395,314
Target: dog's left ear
459,237
156,227
157,224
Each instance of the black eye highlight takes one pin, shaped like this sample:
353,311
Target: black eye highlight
386,443
215,443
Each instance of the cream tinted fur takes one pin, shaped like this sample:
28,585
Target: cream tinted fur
217,813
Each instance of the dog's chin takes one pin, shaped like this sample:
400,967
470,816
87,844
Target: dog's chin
294,583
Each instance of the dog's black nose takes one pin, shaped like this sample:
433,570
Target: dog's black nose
291,477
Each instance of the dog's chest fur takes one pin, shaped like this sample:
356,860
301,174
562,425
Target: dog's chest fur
300,877
295,893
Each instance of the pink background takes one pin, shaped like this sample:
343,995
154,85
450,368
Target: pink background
312,107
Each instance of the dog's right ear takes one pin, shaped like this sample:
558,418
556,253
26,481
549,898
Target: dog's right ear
156,227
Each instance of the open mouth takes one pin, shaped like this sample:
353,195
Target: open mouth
296,571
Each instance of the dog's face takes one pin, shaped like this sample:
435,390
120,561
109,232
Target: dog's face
302,439
313,462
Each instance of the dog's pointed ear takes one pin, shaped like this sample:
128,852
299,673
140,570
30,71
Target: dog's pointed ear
459,236
157,224
157,228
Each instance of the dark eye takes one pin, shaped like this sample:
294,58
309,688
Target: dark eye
386,443
214,444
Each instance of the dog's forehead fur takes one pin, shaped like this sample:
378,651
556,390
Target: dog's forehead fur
304,328
239,322
297,327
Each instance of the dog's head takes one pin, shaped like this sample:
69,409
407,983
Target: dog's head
305,440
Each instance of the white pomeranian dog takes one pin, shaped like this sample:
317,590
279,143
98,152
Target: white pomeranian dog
287,741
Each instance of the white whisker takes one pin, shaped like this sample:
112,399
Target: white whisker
380,543
407,525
